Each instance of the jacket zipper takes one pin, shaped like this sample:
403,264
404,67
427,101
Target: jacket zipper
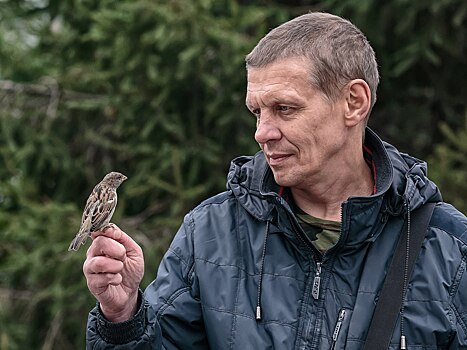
316,282
337,328
318,257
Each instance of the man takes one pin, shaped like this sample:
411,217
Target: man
294,254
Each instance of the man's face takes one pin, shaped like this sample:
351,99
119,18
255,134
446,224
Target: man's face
298,129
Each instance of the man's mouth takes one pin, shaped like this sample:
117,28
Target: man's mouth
277,158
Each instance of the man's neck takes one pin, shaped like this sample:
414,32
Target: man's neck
323,199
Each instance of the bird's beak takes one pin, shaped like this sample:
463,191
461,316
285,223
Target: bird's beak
124,178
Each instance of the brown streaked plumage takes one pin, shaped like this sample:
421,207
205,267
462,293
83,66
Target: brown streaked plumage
99,208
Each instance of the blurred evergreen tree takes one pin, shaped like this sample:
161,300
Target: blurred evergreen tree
449,168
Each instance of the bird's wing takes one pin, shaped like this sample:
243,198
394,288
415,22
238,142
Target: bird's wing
104,211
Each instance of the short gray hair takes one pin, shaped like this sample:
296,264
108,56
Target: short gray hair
337,51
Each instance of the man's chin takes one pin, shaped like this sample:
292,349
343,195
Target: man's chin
282,179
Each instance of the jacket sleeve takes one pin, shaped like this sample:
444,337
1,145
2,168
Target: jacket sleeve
169,316
140,332
459,305
457,223
175,294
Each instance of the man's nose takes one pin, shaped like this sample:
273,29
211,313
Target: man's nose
266,130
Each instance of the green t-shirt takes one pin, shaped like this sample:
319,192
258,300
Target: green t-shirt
323,233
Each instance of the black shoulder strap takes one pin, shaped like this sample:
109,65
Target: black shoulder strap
392,293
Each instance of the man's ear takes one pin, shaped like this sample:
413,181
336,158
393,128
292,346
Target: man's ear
358,102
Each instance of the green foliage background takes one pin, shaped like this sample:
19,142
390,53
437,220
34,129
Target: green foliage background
155,89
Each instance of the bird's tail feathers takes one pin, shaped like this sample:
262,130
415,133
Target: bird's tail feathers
82,235
77,242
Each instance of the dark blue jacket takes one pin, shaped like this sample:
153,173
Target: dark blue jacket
242,252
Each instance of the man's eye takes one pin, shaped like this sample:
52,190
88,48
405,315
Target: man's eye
282,108
256,111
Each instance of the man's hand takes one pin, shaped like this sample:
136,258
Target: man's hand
114,268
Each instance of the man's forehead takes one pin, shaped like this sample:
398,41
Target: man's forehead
277,90
270,94
275,75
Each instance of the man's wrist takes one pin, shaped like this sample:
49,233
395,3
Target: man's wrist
131,308
122,332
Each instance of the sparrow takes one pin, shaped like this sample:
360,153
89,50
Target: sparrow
99,208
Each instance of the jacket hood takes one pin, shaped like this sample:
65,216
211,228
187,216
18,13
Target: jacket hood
400,178
247,177
411,184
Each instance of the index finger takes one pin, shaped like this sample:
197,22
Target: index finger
114,232
103,246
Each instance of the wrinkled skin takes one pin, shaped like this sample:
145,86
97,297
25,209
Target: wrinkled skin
114,268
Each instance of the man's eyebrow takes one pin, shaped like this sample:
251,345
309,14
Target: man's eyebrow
248,103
